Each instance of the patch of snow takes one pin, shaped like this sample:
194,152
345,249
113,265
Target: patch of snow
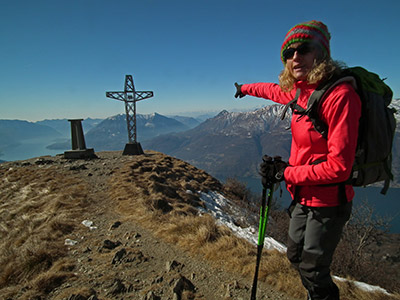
217,205
89,224
364,286
396,105
70,242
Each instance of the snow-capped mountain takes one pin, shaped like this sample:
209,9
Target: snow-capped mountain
259,121
231,143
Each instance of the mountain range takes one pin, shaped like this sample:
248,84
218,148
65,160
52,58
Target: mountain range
230,144
15,130
111,133
64,127
13,133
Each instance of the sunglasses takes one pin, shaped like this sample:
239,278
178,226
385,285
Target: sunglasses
302,50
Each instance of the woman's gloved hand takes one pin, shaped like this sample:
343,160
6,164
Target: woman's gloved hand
272,170
239,91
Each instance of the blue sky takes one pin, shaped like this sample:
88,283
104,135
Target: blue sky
58,58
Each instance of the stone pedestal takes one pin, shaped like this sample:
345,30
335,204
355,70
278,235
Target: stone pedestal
80,154
79,150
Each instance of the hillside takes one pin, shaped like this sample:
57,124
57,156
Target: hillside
13,132
127,227
18,129
111,134
231,143
63,126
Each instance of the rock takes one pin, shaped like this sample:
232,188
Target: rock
173,265
151,296
118,256
115,225
87,250
107,244
117,288
182,284
43,161
78,168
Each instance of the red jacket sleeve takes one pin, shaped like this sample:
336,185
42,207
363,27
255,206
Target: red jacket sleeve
270,91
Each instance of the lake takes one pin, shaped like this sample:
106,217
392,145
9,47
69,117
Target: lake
28,149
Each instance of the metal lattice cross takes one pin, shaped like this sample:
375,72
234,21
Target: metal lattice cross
130,97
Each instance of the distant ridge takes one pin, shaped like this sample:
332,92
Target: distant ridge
64,127
228,144
231,143
19,129
111,133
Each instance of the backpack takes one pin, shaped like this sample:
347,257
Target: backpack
373,159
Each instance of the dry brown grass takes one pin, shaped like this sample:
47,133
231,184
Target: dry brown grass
163,181
40,207
37,209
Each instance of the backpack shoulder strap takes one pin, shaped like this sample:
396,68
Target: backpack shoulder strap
290,104
324,88
317,98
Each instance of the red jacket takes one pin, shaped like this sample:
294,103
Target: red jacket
341,111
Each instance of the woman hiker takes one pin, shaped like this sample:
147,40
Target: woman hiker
317,164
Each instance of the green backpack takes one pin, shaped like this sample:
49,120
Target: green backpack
373,160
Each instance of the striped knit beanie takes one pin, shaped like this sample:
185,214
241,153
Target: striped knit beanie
314,31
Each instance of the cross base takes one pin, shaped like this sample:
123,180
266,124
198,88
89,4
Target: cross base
133,149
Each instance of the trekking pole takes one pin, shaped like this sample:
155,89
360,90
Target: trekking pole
265,205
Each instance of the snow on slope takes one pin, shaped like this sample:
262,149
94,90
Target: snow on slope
396,105
217,205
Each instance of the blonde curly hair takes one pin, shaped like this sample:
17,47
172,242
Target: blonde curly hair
323,69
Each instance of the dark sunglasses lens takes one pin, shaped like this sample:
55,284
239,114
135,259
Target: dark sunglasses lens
302,49
288,53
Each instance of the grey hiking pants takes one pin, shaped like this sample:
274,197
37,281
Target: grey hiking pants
314,233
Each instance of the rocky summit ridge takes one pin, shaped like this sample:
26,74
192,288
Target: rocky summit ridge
104,229
129,227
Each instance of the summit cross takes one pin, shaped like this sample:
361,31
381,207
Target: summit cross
130,96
